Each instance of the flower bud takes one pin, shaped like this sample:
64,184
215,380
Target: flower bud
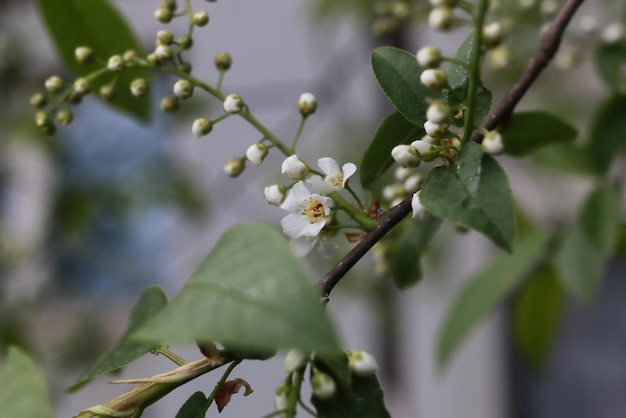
74,98
428,57
185,42
81,86
223,61
362,363
163,52
589,25
613,33
183,89
444,3
294,167
405,155
438,113
107,92
54,84
163,15
441,18
169,104
153,58
64,117
49,129
281,397
436,130
83,54
307,104
42,119
274,194
256,153
116,63
492,143
500,58
169,4
129,55
392,191
201,127
185,67
412,183
233,104
402,173
323,385
139,87
295,359
38,100
234,167
434,79
422,147
492,34
419,211
200,18
164,37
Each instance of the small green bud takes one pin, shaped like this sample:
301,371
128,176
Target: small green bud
163,52
170,104
183,89
441,18
139,87
307,104
185,67
234,167
223,61
323,385
169,4
116,63
163,15
130,55
201,127
64,117
153,58
164,37
42,119
434,79
74,98
84,54
492,34
49,130
81,86
428,56
107,92
185,42
54,84
200,18
38,100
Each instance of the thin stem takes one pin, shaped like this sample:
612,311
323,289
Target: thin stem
220,79
355,196
298,133
306,407
294,392
163,349
221,382
474,70
341,203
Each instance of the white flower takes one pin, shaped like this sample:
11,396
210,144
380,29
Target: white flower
419,211
294,167
308,212
492,143
295,359
362,363
256,153
405,155
233,104
324,386
413,183
335,178
274,194
303,245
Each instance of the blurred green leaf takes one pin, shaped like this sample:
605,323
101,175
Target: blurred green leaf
23,392
537,311
458,80
405,264
486,290
527,131
394,130
194,407
337,367
126,351
600,219
610,60
398,75
568,157
98,25
250,291
473,192
620,246
608,133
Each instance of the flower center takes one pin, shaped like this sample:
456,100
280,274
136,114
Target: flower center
336,180
314,210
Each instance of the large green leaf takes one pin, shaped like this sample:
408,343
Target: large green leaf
398,75
610,60
194,407
98,25
608,133
394,130
486,290
587,245
405,264
536,315
458,80
127,351
473,192
23,392
527,131
250,291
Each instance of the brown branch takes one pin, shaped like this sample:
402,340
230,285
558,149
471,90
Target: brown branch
547,48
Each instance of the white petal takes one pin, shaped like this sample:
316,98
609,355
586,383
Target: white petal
312,229
295,196
302,246
321,186
348,170
293,225
328,166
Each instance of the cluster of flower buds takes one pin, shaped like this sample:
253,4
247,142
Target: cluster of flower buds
390,15
407,181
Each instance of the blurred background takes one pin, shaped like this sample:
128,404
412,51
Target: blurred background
108,206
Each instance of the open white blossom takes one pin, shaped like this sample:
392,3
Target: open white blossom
419,211
334,179
308,212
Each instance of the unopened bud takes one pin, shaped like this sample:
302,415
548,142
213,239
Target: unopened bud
223,61
139,87
54,84
163,52
107,92
183,89
234,167
164,37
438,113
492,143
295,359
323,385
500,58
256,153
233,104
434,79
412,183
64,117
42,119
419,211
405,155
294,167
441,18
435,130
428,57
492,34
201,127
170,104
362,363
423,147
307,104
81,86
200,18
185,42
274,194
83,54
163,15
116,63
38,100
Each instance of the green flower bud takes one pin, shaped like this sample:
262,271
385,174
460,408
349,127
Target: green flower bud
170,104
64,117
223,61
164,37
200,18
54,84
38,100
163,15
81,86
185,42
139,87
183,89
116,63
107,92
234,167
84,54
201,127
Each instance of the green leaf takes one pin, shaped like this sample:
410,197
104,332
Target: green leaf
363,399
337,366
98,25
473,192
405,265
620,245
568,157
194,407
600,219
537,311
398,75
23,392
126,351
527,131
394,130
250,291
608,133
610,60
458,80
486,290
